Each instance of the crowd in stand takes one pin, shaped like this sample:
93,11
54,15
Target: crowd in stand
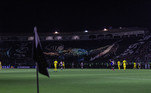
130,49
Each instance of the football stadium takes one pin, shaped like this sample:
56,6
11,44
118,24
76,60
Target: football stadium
109,60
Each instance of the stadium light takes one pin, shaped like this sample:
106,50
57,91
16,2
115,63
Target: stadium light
105,29
56,32
86,31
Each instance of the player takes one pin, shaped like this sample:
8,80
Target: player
0,65
134,65
119,64
107,65
55,65
82,65
112,64
124,64
139,65
63,65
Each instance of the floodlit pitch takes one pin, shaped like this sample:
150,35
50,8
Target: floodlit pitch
77,81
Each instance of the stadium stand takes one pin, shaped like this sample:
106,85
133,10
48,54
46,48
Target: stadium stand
93,48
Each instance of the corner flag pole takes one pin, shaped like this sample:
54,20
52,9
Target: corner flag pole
38,57
37,77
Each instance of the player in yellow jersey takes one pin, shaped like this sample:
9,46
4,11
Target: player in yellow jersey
124,64
134,65
119,64
55,65
63,65
0,65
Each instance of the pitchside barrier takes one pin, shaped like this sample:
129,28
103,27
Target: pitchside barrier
85,65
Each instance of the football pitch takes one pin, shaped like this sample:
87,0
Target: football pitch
76,81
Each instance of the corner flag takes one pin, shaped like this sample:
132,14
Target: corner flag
38,55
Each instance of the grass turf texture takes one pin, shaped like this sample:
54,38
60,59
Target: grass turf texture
76,81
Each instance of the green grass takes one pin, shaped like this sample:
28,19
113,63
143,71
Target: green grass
76,81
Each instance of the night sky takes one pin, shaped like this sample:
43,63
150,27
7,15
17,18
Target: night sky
73,16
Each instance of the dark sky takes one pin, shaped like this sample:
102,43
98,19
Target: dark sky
73,16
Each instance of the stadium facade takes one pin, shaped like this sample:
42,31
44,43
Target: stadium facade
89,35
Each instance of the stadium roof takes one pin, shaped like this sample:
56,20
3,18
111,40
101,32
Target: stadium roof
103,31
